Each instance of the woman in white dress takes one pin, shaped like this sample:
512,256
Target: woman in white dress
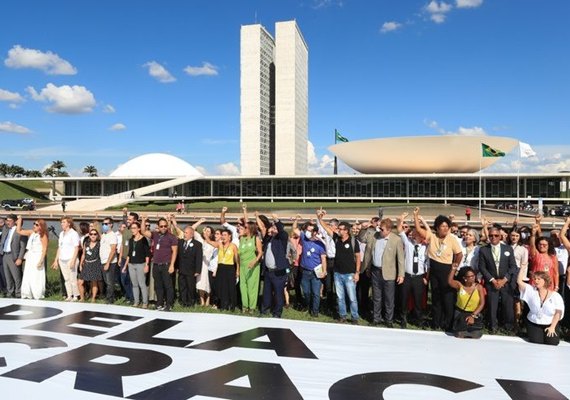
34,278
203,280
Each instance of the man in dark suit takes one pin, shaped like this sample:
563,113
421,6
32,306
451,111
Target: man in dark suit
384,258
499,269
274,263
189,266
12,248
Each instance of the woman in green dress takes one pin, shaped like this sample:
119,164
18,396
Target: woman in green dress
249,253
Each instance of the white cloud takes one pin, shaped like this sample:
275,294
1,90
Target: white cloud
50,63
319,4
206,69
227,169
118,127
202,170
474,131
438,11
65,99
11,127
468,3
11,97
390,26
109,109
318,165
159,73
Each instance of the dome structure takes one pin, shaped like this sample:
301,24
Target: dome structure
155,165
421,154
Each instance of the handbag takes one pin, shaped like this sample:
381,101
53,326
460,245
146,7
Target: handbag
460,319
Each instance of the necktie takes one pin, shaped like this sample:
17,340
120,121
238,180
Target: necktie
186,245
496,257
415,263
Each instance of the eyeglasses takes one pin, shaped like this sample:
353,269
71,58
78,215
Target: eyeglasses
93,234
163,226
495,235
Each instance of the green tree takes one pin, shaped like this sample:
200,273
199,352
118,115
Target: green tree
33,173
90,170
3,169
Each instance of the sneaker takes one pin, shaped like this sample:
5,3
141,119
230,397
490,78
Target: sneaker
160,308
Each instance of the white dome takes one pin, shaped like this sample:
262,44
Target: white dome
155,165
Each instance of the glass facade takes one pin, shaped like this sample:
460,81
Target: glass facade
331,187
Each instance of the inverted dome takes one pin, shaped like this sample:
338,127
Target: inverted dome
421,154
155,165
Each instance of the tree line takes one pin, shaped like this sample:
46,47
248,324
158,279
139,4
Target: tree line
55,169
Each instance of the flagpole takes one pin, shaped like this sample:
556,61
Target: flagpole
335,170
518,180
480,161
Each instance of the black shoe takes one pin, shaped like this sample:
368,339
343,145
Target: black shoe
167,308
404,324
389,324
354,321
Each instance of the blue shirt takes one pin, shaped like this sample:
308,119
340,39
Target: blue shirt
312,251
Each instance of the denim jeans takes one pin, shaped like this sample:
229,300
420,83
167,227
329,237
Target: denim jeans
344,283
311,287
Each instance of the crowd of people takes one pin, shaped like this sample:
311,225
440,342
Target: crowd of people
497,278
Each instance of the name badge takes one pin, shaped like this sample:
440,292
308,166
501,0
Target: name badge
134,253
191,244
158,246
89,252
346,246
416,259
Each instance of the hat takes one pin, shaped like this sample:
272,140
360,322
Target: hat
13,217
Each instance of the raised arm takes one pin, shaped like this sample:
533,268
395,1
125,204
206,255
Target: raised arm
19,230
563,232
145,232
223,215
532,241
422,232
538,222
400,222
451,279
245,216
322,224
198,223
484,229
260,224
295,227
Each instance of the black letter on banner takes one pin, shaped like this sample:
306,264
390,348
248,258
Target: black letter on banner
268,381
34,312
146,332
283,341
33,342
93,376
62,325
521,390
371,386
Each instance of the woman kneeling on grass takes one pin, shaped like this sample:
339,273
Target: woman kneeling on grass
546,308
467,320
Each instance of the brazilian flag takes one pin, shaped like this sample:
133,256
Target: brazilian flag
488,151
338,137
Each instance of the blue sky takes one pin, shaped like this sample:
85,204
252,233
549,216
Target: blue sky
99,82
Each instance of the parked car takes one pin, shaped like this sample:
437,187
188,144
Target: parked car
505,205
18,204
561,211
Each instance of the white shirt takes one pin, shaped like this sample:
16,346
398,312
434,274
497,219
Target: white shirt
107,240
470,257
423,264
542,314
8,242
67,243
562,255
378,252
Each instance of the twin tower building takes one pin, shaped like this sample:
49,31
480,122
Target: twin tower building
274,100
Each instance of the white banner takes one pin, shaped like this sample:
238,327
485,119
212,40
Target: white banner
53,350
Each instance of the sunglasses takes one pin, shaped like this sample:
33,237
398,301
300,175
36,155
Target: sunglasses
105,223
495,235
93,234
163,226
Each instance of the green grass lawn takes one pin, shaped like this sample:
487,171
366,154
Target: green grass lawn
235,206
23,189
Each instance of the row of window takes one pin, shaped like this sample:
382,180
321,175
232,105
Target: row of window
364,188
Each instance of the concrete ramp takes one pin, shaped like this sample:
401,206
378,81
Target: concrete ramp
102,203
